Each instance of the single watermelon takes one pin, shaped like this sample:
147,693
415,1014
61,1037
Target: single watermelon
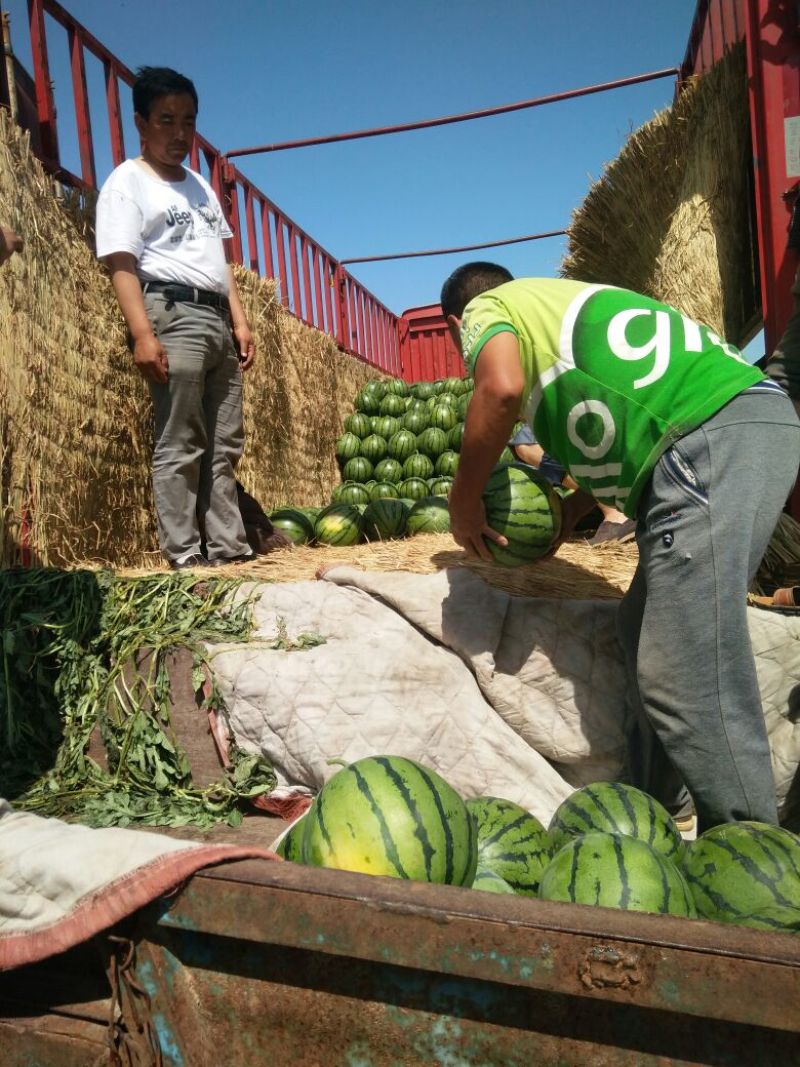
350,493
490,882
347,447
391,816
416,421
418,466
294,524
289,845
455,437
616,871
402,445
385,519
739,868
432,442
368,401
383,490
397,386
463,405
393,405
440,486
423,390
358,469
616,808
339,524
521,505
386,426
429,515
311,513
512,843
373,448
457,386
358,423
389,470
447,464
776,917
413,489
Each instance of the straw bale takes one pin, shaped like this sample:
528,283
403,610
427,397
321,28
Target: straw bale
669,216
75,417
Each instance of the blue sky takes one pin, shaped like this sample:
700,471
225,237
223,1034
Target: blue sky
270,71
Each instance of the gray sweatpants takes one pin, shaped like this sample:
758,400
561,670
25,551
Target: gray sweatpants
704,522
199,434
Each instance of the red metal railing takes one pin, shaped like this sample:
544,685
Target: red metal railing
313,285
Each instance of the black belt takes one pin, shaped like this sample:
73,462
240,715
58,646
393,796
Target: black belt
178,294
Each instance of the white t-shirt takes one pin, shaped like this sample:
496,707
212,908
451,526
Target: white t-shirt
174,229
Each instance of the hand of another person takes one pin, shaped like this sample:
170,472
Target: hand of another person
469,527
151,359
10,242
246,345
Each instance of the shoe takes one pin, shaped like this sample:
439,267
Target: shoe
197,560
223,561
614,531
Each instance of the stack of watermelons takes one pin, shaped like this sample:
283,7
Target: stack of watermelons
398,455
608,844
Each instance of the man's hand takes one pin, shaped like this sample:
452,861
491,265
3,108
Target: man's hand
151,359
245,343
469,527
10,242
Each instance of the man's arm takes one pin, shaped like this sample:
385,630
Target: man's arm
10,242
241,327
493,410
150,357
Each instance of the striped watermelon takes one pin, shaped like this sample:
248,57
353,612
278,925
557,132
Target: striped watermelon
358,469
416,420
457,386
739,868
391,816
521,505
490,882
389,470
512,844
440,486
386,426
432,442
402,445
397,386
462,407
382,490
373,448
385,519
359,424
438,386
350,493
418,466
776,917
290,844
340,524
616,808
369,400
455,437
413,488
294,524
428,515
393,405
616,871
447,464
347,447
312,514
423,390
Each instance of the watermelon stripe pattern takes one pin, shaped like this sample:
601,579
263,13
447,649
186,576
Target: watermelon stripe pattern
616,871
522,506
512,843
736,869
616,808
391,816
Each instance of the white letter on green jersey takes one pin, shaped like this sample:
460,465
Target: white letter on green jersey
658,345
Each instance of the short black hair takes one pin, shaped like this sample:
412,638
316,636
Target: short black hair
152,82
468,281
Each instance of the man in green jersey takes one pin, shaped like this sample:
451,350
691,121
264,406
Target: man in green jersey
656,415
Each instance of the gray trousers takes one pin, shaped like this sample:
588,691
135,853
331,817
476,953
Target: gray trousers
199,433
704,522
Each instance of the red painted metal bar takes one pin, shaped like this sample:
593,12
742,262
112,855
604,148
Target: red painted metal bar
252,243
449,251
83,118
295,268
114,113
194,155
269,269
45,102
466,116
319,318
328,284
281,247
306,261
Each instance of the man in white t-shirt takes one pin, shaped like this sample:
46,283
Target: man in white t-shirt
160,229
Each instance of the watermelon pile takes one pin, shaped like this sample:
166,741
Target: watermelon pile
607,845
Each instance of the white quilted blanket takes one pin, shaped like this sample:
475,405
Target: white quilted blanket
518,697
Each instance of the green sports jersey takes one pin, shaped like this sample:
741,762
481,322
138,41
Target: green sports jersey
612,378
